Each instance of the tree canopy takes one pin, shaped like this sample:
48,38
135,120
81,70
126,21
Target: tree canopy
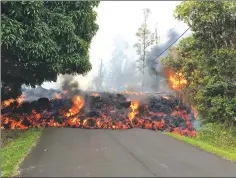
41,39
207,58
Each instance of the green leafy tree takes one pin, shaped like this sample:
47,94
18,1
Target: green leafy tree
208,58
212,22
41,39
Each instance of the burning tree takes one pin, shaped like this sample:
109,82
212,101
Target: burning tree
207,59
176,80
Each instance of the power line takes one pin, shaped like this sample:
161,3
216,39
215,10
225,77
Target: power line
164,50
171,29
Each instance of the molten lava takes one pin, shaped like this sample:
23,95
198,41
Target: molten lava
127,92
77,105
7,103
100,111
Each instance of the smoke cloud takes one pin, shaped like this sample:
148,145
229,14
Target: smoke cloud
70,85
122,72
154,72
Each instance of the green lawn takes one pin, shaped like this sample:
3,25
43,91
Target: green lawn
215,139
15,146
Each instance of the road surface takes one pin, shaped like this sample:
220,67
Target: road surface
133,153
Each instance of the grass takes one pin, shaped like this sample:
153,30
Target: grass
15,146
10,135
213,138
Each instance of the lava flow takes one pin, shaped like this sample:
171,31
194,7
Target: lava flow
100,111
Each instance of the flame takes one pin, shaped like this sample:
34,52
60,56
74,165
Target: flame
95,94
58,96
134,110
177,81
166,97
128,92
8,102
137,115
78,103
20,100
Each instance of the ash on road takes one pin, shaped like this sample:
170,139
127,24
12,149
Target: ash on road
133,153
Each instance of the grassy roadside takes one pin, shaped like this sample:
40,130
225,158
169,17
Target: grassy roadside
215,139
15,146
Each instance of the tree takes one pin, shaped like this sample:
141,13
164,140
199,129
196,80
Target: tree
116,63
207,58
43,39
212,22
145,40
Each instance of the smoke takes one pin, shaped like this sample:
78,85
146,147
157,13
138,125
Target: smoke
154,72
67,83
120,73
122,68
70,85
32,94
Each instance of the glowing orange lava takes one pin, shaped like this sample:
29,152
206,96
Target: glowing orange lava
95,94
77,117
78,103
134,110
7,103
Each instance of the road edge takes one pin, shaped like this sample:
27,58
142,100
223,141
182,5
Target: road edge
205,146
28,147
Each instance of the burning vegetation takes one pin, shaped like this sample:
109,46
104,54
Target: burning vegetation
100,111
176,81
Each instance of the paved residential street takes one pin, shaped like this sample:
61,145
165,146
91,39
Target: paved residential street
135,152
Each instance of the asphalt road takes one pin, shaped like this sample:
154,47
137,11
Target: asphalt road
133,153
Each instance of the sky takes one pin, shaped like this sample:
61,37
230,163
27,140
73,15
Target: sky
122,19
